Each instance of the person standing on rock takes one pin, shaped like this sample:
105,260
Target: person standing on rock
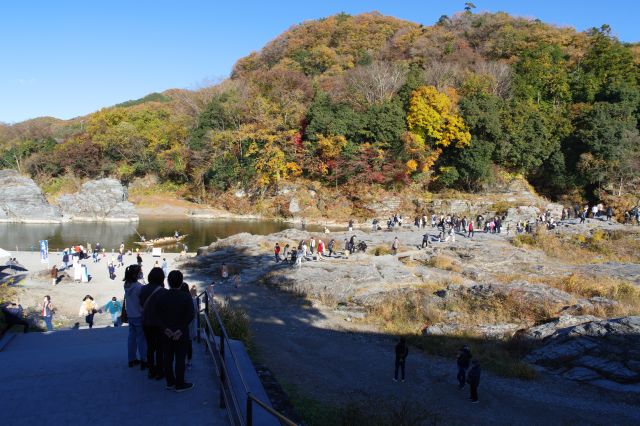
312,245
402,350
285,253
471,232
88,309
463,361
609,213
320,249
276,251
331,245
47,312
395,246
474,380
136,342
425,240
175,312
350,225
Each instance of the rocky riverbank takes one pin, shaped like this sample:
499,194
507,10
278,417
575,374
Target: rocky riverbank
484,287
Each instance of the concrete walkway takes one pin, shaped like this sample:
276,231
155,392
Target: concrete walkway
75,377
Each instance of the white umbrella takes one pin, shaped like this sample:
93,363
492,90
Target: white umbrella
4,253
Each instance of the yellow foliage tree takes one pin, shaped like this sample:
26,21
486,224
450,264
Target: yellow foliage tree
434,123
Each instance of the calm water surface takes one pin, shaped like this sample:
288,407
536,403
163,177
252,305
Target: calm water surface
201,232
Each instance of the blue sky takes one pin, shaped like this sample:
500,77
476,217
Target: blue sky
69,58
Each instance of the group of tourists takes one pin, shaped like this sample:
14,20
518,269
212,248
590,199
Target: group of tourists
468,368
162,324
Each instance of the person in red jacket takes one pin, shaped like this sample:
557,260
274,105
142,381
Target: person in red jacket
276,251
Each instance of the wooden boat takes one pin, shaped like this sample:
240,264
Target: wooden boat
164,241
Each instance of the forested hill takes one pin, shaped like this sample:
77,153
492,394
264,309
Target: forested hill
353,101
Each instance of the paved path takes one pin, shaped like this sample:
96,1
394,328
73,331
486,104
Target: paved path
76,377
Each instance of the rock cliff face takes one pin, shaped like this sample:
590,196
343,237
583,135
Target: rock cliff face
604,352
98,200
21,200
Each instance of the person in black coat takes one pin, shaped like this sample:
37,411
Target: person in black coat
175,312
464,359
149,296
474,379
402,350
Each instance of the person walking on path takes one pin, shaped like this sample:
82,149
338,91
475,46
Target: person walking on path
395,246
139,259
114,308
136,342
463,361
47,312
175,312
88,309
474,380
402,350
150,323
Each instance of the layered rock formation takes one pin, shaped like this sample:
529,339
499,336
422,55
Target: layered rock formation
98,200
21,200
604,352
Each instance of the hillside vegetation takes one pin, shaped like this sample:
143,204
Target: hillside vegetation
371,100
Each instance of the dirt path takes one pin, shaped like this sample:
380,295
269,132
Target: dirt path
333,361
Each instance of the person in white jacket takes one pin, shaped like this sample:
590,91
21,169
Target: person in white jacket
88,309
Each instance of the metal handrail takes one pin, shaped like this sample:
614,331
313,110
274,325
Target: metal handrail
226,392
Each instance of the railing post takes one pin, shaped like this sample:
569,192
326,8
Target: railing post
249,409
222,379
198,321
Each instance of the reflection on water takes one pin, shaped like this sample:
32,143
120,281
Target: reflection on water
201,232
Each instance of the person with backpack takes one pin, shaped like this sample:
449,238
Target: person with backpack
150,323
463,361
402,350
473,378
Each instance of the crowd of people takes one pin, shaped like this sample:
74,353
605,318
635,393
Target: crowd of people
162,324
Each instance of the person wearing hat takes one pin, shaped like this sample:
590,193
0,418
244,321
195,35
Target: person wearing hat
474,380
464,359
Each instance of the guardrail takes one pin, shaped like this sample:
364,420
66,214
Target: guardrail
225,361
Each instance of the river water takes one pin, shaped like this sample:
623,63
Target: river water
201,232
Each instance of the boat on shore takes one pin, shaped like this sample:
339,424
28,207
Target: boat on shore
164,241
